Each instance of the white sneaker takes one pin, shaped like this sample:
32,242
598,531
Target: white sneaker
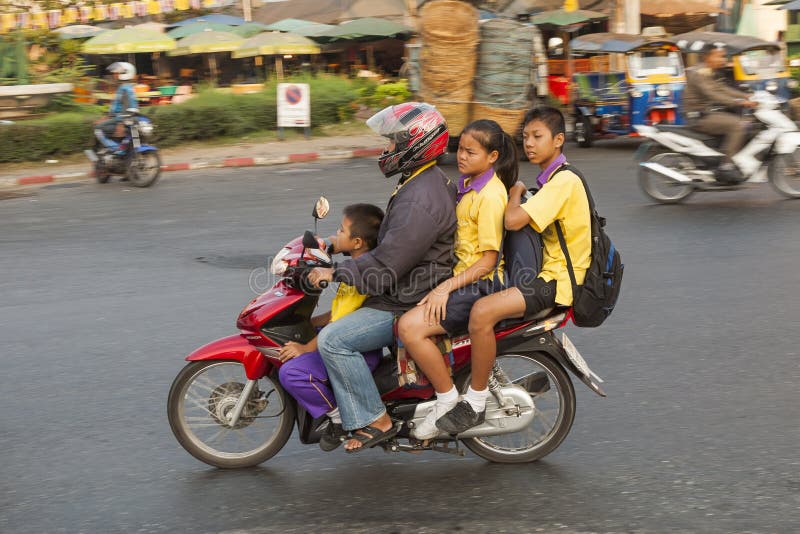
427,428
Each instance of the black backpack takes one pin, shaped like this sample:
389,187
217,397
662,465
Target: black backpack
522,252
595,299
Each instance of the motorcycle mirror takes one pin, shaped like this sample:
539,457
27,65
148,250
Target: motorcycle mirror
321,208
309,241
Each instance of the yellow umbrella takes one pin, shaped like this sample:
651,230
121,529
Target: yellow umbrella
208,42
276,43
128,41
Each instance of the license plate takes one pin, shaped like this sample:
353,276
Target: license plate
576,358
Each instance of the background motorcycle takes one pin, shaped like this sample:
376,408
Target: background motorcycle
227,408
679,161
138,162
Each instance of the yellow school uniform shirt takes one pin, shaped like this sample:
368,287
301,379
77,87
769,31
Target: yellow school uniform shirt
480,225
562,199
346,301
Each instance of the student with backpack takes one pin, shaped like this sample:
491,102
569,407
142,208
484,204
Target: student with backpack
561,201
487,159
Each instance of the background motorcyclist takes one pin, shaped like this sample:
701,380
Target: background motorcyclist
111,128
704,93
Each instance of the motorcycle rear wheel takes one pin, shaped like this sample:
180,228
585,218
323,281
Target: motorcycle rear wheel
555,411
202,395
784,174
144,169
101,174
662,189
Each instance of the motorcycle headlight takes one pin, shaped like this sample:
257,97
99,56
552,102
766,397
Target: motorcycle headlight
771,86
146,129
279,264
663,91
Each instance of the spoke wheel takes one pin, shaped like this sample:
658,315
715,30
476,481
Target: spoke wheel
554,399
200,402
660,188
144,169
784,174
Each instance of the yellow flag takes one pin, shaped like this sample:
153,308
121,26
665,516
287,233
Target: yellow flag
100,12
69,16
153,7
39,20
7,22
126,11
571,5
181,5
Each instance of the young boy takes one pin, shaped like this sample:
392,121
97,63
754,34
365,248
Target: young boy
561,198
304,375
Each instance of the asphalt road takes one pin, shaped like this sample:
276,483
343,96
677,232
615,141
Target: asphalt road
104,289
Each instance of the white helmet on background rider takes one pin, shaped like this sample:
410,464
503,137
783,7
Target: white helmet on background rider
419,132
125,70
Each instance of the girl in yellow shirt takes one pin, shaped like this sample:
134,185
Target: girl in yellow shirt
487,159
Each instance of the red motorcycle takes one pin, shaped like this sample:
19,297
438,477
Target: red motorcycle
227,408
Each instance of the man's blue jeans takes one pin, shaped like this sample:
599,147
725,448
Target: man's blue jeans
341,344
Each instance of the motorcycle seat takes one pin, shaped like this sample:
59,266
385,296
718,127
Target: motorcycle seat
544,314
688,132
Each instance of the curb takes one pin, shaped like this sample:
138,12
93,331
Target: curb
230,162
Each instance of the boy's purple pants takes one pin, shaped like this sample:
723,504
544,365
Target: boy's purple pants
306,379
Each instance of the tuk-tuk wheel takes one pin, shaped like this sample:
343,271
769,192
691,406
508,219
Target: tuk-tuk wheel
583,131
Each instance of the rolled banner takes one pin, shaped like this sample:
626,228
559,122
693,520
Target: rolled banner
69,16
115,11
100,12
39,20
54,18
196,4
85,13
23,20
167,6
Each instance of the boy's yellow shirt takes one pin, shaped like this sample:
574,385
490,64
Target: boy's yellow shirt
346,301
480,225
562,199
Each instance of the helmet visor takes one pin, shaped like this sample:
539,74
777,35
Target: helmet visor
386,123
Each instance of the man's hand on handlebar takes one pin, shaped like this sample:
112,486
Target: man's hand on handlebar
320,276
749,104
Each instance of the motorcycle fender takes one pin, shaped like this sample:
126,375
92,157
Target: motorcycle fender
551,346
787,143
146,148
235,348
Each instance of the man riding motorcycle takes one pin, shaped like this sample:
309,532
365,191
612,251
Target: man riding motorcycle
124,100
705,93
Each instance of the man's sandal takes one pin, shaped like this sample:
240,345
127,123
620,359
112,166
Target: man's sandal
374,436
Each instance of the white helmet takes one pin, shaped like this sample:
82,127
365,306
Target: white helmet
125,70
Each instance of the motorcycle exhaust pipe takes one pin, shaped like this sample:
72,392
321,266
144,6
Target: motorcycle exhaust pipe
91,155
666,172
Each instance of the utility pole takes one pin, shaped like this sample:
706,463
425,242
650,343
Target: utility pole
247,11
627,17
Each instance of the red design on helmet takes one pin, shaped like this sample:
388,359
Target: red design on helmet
419,132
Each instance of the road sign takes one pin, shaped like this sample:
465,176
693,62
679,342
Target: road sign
294,105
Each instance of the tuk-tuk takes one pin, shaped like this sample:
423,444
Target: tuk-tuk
755,64
645,89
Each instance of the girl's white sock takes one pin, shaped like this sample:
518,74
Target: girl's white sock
449,398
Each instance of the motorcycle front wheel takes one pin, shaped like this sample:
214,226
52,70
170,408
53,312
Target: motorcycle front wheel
784,174
660,188
202,396
144,169
554,399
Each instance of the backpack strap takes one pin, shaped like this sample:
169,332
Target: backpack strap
560,230
565,250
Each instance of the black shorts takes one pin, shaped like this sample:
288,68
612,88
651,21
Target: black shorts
460,302
538,294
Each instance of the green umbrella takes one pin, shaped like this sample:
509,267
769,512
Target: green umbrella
248,30
276,43
207,42
78,31
196,27
306,28
364,29
560,18
128,41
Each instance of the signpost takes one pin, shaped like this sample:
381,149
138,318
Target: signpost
294,107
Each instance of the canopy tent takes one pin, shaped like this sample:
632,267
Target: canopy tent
128,41
196,27
364,29
78,31
734,44
331,11
213,17
793,5
276,44
208,42
156,26
613,42
305,28
563,19
248,29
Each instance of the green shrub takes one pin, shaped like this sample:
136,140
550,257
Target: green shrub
210,114
60,134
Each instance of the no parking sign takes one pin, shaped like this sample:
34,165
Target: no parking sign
294,105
